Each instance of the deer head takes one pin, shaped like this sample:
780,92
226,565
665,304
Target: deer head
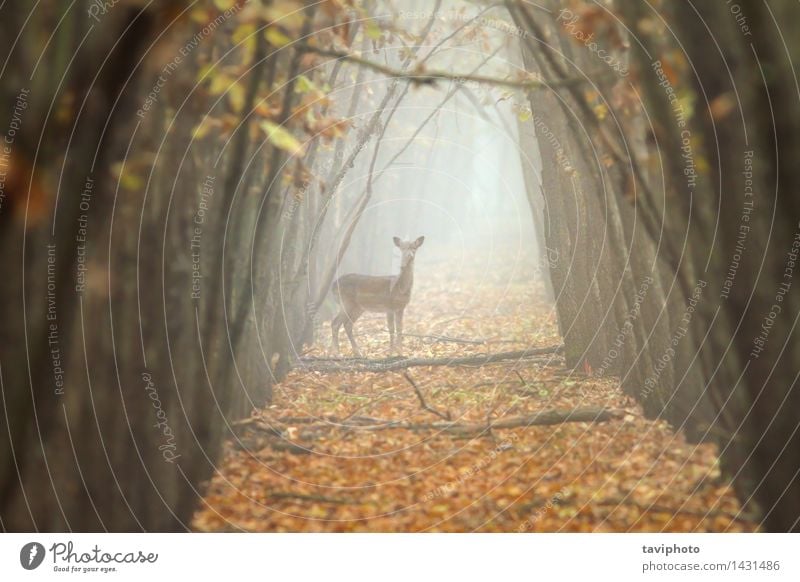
408,249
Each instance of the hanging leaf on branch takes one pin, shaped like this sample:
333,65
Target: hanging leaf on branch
281,138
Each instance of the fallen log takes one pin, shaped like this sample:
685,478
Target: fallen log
313,498
543,418
393,364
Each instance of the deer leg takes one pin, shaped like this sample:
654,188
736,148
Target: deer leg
335,325
351,318
398,320
390,324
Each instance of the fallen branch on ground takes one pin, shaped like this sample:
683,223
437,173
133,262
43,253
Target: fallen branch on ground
262,422
543,418
288,447
316,498
422,402
393,364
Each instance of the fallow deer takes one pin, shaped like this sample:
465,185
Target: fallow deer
387,294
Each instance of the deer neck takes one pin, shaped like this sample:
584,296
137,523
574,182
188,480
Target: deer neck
405,280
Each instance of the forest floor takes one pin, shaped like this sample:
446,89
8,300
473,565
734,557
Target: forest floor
325,456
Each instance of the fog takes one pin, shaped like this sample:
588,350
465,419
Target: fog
448,164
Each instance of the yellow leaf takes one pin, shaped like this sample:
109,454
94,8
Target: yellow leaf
201,130
600,111
236,97
288,14
127,178
204,71
131,181
276,37
280,137
224,5
244,36
372,30
200,15
242,32
219,84
304,85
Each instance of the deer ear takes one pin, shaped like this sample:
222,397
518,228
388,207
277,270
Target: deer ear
397,241
419,241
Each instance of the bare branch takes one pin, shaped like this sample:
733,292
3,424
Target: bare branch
445,416
314,498
423,77
393,364
542,418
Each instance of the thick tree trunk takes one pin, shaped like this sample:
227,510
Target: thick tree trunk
118,382
712,345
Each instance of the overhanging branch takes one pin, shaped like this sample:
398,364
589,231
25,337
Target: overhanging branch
423,77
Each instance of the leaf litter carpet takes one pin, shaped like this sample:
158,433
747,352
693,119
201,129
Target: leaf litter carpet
348,450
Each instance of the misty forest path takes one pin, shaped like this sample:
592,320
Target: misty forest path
353,450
